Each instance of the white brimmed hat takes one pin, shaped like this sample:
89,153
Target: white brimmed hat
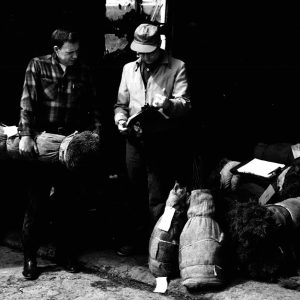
146,38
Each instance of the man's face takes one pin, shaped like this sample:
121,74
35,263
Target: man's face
149,58
68,53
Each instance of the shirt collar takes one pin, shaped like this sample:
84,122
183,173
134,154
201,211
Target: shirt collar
164,60
54,59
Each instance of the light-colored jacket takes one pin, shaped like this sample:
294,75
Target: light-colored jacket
169,79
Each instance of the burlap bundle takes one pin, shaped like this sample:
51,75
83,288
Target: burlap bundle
221,177
200,247
264,238
47,143
164,245
288,181
228,181
292,205
73,150
82,150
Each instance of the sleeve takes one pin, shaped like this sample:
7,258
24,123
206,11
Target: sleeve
121,108
180,102
28,100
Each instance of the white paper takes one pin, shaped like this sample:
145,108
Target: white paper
266,195
161,285
281,178
166,219
162,112
260,167
296,150
10,130
52,191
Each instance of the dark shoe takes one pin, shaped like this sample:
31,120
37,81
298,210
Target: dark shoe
70,265
30,270
126,250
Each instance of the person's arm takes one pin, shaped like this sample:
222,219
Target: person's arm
177,104
121,107
28,100
27,145
180,103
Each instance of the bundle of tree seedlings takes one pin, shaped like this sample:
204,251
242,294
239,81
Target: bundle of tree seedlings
75,150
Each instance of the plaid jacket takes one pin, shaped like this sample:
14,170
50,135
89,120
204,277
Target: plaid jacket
55,99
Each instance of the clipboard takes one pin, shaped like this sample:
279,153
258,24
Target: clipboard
271,170
147,114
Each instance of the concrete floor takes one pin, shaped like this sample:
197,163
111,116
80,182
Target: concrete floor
135,269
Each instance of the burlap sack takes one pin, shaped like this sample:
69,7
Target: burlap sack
200,246
293,207
164,245
47,143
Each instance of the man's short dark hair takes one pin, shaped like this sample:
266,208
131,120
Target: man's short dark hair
62,35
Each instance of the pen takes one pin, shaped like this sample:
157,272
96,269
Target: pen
275,171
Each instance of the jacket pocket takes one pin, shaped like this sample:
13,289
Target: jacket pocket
50,88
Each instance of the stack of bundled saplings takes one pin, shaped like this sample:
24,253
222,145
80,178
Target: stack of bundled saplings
75,151
193,242
230,231
264,238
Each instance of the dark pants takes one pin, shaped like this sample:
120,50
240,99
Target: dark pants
12,196
154,165
61,209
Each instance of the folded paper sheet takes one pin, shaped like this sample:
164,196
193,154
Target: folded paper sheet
260,167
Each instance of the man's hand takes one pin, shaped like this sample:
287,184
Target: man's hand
28,147
161,101
122,126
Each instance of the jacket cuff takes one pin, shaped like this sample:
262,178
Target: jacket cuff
25,132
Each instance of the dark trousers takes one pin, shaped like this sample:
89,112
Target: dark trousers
12,196
61,209
153,166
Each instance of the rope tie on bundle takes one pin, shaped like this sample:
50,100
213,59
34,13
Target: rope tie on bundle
64,146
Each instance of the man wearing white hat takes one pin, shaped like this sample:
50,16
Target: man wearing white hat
156,154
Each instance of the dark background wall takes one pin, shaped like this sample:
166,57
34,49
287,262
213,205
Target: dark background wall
244,64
